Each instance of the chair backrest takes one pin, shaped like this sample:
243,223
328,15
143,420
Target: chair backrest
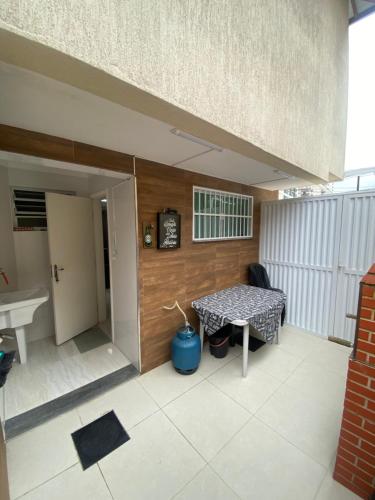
258,276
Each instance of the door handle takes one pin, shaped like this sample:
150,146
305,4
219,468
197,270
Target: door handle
56,272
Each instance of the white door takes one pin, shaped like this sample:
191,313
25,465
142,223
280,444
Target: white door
123,266
357,253
72,258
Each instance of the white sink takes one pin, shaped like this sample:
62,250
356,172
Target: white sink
17,310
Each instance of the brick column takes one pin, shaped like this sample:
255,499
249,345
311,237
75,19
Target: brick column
355,461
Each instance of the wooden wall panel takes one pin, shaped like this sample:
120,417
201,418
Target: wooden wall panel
86,154
28,142
195,269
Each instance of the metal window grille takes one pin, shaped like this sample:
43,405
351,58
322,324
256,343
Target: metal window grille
221,215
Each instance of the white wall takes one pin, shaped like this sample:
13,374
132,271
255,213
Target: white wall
7,257
33,269
97,183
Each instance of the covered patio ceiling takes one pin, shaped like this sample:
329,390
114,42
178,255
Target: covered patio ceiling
34,102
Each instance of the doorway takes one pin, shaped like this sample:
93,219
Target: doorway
61,255
115,227
107,323
93,254
102,257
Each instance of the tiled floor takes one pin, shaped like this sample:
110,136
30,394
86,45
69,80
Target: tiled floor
213,435
52,371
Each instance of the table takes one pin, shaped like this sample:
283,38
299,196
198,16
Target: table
241,305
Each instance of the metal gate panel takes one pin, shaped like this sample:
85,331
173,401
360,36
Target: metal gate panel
309,295
357,253
299,248
317,250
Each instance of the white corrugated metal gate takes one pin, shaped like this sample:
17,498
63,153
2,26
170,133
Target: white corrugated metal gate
316,250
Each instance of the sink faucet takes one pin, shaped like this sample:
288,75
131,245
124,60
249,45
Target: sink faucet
5,277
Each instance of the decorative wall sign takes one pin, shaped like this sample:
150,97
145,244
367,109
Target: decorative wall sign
148,235
169,229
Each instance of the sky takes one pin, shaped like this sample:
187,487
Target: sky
360,142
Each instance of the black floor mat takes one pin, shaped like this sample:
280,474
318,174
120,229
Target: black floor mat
99,438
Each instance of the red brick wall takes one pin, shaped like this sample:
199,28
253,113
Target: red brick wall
355,462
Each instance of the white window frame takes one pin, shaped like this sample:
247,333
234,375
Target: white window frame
32,215
232,218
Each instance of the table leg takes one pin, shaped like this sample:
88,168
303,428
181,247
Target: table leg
245,348
277,332
21,342
201,333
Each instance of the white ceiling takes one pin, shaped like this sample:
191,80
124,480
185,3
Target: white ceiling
42,165
34,102
47,166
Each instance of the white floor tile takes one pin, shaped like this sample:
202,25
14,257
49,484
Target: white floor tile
41,453
295,389
155,464
311,426
297,342
25,389
130,402
331,355
274,360
207,485
209,364
301,331
103,360
106,327
320,384
73,484
164,384
52,371
251,391
207,418
259,464
46,350
332,490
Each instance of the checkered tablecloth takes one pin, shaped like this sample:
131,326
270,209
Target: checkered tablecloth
259,307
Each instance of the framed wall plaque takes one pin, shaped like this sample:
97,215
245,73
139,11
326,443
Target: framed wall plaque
169,229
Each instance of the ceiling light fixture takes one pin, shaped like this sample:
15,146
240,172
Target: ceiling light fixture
192,138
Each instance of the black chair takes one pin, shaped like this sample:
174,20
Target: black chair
258,277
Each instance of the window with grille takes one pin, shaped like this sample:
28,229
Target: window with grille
220,215
30,207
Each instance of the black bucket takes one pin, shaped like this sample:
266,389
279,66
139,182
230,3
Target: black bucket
219,346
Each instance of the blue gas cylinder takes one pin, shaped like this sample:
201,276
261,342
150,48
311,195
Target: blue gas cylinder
186,350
